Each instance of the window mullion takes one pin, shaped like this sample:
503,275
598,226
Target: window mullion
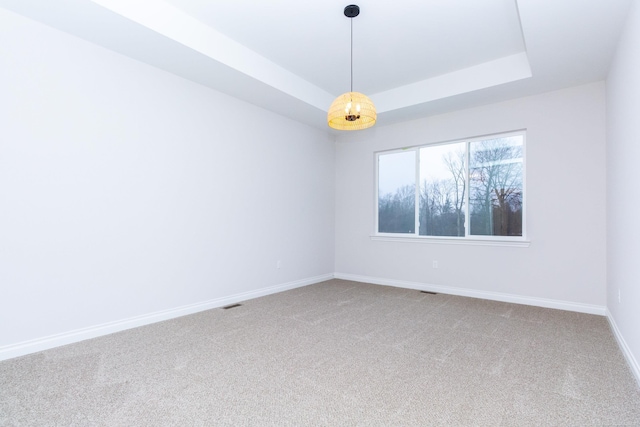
467,215
417,201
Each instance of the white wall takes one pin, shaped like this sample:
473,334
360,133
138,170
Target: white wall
623,192
565,196
126,190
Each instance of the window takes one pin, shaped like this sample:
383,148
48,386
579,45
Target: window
396,202
463,189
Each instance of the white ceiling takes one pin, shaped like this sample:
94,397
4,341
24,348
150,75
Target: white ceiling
415,58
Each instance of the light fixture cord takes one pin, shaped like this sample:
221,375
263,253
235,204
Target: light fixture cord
351,19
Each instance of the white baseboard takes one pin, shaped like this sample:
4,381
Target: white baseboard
51,341
631,360
494,296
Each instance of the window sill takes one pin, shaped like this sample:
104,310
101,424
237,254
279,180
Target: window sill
451,241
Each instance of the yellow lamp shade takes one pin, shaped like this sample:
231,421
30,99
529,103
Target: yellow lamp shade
352,111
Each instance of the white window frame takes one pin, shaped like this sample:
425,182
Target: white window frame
467,239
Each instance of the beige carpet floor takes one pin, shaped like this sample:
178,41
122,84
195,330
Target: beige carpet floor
337,353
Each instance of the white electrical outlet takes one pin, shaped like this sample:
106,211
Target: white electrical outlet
278,264
619,299
435,264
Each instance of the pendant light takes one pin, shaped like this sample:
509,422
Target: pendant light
352,110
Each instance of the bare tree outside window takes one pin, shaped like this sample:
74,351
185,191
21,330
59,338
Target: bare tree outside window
495,182
442,190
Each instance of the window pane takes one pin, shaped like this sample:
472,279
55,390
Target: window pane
442,190
495,180
396,192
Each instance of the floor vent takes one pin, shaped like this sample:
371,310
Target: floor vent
430,293
231,306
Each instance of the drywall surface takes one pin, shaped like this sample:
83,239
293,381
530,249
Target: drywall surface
126,190
623,192
565,203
